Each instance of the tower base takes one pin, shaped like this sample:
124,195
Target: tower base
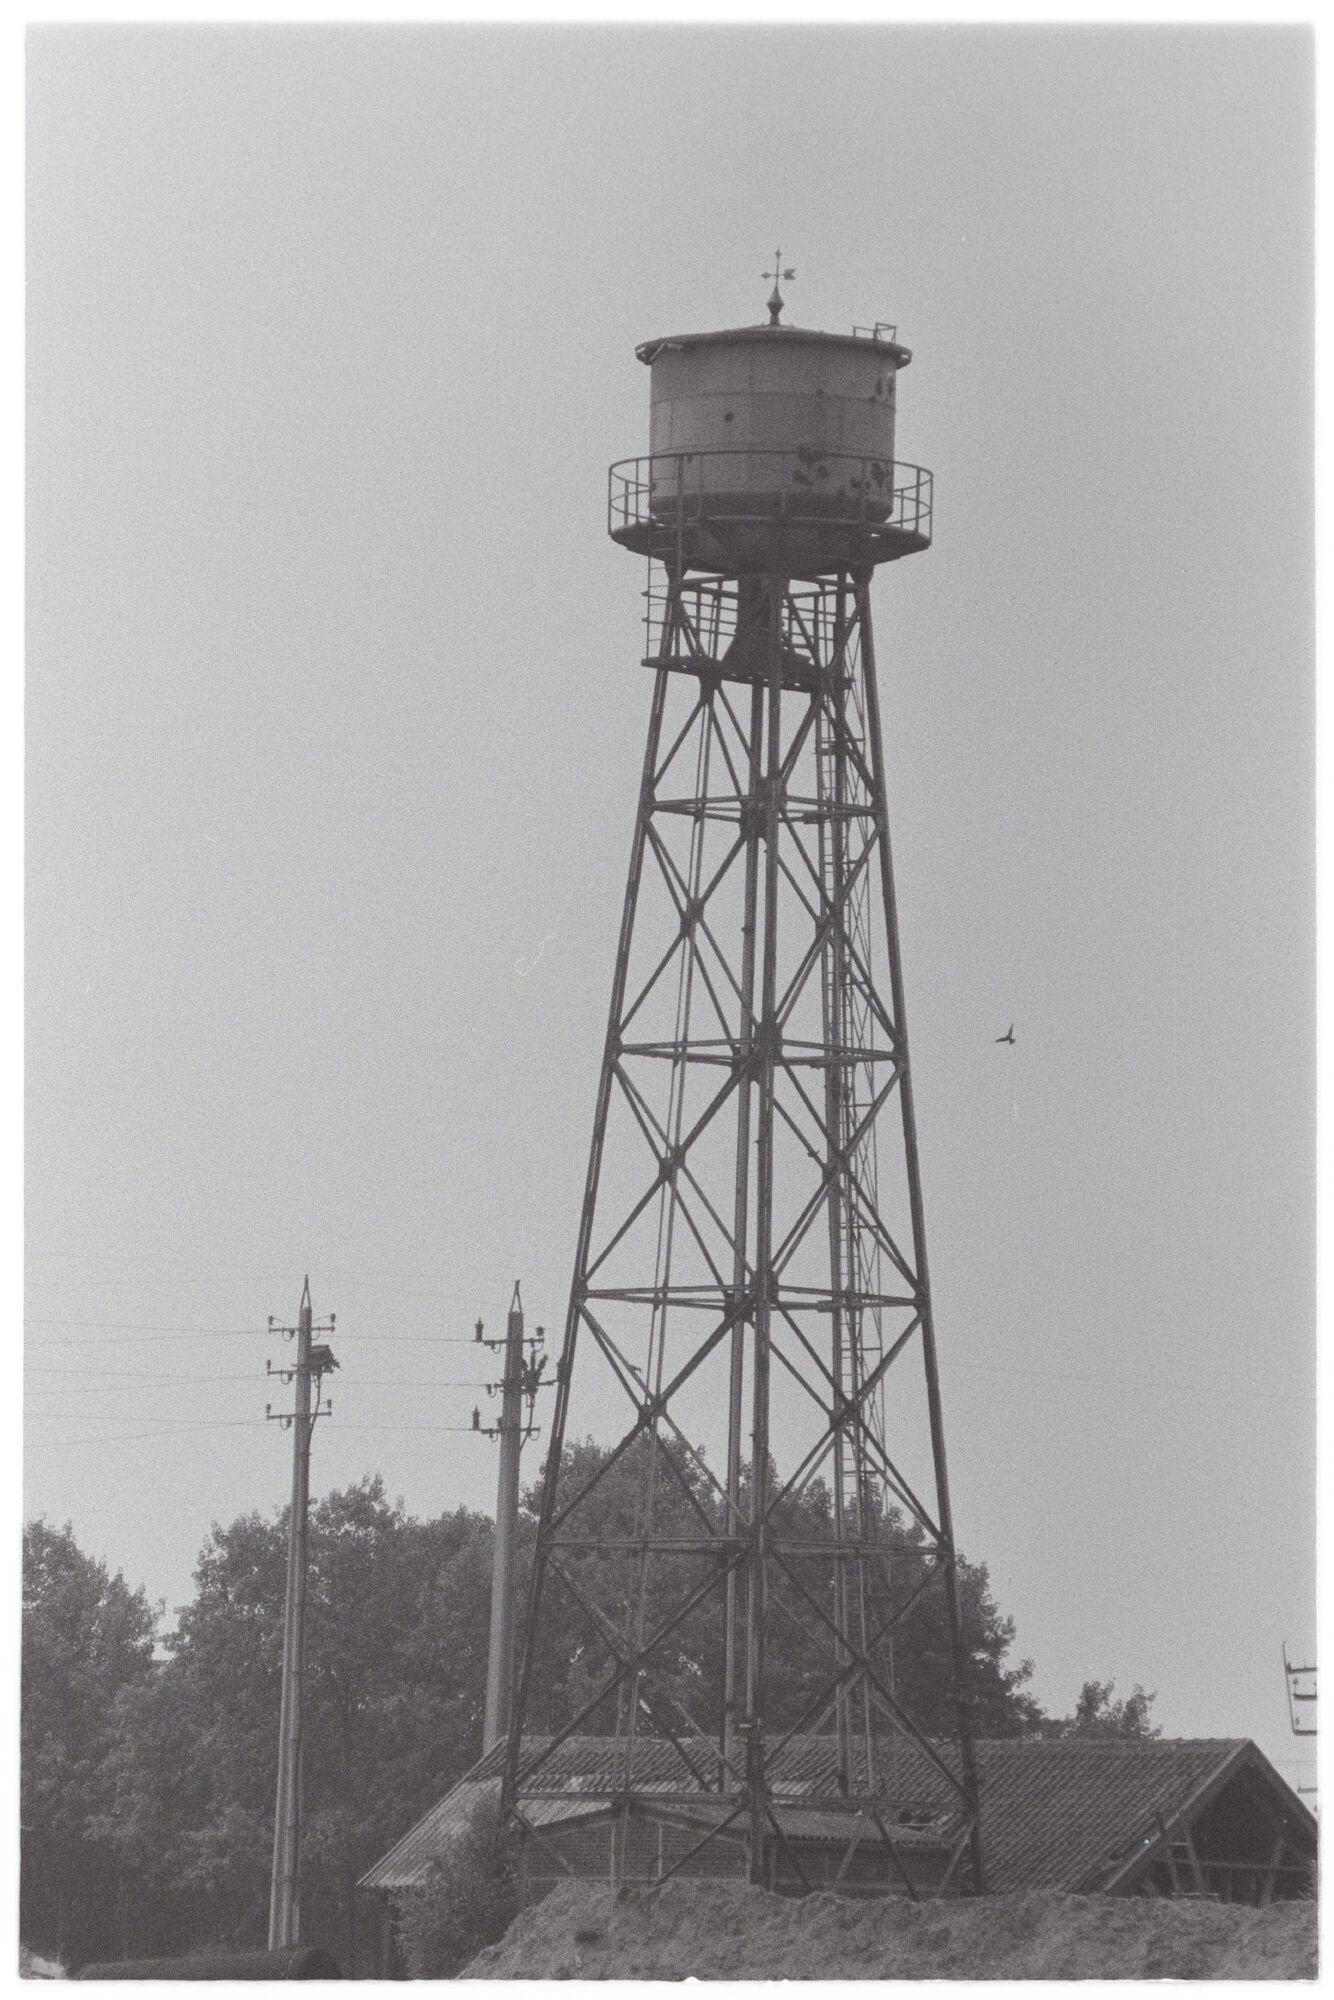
585,1822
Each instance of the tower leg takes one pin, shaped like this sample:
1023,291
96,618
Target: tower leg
749,831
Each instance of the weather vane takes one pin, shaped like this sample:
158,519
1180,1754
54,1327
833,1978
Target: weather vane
775,299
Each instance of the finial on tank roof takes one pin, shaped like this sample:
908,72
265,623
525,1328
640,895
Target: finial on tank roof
775,300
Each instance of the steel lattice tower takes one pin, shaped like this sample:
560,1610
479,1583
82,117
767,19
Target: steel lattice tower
717,1597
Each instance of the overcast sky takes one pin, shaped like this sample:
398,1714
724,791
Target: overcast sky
335,717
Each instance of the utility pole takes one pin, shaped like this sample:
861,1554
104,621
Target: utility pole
522,1377
1301,1685
313,1361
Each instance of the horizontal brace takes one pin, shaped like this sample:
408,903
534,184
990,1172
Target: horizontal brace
715,1050
728,807
682,1045
835,1055
781,1297
846,1550
821,812
839,1059
718,1052
706,1301
667,1545
808,1299
803,681
683,1052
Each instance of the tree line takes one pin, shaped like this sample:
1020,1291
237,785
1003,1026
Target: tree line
149,1757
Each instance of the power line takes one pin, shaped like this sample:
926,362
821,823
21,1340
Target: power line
149,1326
169,1428
136,1331
132,1374
1193,1387
1199,1385
149,1417
175,1430
148,1375
392,1430
168,1420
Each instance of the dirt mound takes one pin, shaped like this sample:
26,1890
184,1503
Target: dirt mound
31,1966
726,1930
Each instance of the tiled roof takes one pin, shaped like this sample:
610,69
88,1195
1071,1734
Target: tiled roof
1055,1814
408,1863
806,1823
804,1767
581,1773
592,1763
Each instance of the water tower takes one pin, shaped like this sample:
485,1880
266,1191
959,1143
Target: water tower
742,1649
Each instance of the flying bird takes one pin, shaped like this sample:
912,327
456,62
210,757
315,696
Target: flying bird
1008,1036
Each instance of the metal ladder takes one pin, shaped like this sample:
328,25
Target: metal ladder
855,1254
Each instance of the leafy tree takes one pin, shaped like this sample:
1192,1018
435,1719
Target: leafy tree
148,1785
398,1627
397,1616
196,1766
915,1656
1096,1714
574,1658
468,1902
686,1672
87,1644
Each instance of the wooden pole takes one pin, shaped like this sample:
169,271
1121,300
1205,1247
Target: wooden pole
500,1658
284,1897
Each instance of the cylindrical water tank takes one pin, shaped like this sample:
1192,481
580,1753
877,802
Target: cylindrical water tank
783,435
767,388
771,449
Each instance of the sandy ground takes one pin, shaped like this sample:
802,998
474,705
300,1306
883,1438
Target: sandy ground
33,1967
733,1931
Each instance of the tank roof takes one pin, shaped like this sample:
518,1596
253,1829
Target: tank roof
648,350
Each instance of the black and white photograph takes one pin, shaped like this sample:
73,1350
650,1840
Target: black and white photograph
670,1000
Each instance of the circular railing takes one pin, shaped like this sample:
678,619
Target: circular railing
791,486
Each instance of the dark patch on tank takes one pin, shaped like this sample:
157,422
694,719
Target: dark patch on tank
728,418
